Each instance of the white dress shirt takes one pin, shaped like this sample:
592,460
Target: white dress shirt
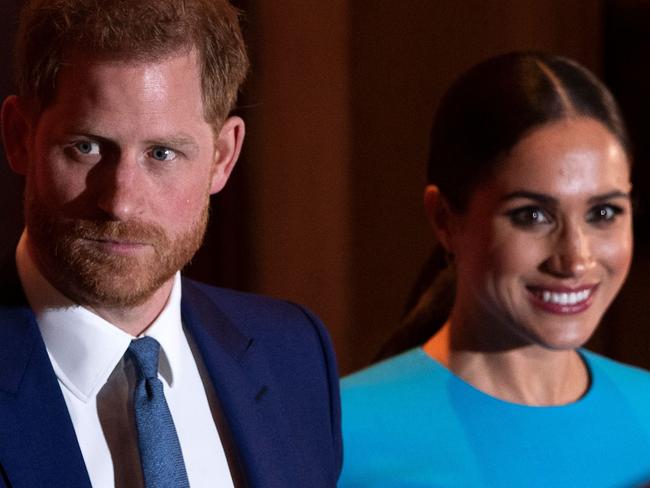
87,353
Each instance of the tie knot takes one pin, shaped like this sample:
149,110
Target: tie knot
145,352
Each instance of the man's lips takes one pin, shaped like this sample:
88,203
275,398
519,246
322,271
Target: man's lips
119,246
562,300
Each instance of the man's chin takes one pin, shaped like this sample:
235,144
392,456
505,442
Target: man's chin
114,290
108,263
112,297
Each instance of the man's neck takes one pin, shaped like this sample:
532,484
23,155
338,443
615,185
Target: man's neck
136,319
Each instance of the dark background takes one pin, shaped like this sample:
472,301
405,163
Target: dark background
325,206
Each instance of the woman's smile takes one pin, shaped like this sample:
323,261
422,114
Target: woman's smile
562,300
546,242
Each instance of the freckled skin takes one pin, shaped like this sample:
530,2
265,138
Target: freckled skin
140,104
572,161
120,167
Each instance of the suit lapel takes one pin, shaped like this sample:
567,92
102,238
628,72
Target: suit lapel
38,444
239,373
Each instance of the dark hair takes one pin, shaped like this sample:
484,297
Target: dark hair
481,117
496,103
131,30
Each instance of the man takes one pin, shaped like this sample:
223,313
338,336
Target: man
122,130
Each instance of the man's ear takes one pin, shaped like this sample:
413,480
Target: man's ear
440,215
227,148
16,133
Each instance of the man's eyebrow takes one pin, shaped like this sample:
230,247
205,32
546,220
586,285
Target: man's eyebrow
178,140
181,141
86,133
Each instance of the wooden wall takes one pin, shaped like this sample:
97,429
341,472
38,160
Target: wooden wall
343,97
325,205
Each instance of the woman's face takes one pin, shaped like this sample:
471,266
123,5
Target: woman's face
545,244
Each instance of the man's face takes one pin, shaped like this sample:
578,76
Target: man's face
121,166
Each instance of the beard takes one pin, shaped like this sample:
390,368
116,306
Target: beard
68,254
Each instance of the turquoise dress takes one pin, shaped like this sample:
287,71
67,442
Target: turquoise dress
410,422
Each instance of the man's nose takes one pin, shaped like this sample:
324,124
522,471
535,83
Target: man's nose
571,252
121,188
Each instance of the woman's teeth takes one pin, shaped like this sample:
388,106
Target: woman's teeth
570,298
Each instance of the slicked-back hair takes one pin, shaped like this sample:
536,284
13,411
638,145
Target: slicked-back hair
481,117
131,30
496,103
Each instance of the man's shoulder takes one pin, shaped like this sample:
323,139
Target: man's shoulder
254,314
293,351
229,298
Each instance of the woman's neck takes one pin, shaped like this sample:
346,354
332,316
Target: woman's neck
528,374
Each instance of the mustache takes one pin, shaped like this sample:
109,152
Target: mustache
110,230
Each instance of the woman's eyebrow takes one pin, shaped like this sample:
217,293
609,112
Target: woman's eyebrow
530,195
549,200
609,196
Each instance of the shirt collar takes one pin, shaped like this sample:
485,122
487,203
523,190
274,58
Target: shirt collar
83,347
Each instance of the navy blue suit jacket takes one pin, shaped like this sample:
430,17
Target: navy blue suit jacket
271,364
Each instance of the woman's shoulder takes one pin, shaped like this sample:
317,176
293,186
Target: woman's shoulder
412,366
399,425
598,363
609,376
411,380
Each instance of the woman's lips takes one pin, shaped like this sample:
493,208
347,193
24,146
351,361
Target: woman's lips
562,300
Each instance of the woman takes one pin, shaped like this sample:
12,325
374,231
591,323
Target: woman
529,196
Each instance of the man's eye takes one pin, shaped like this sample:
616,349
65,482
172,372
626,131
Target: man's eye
87,148
529,216
603,213
162,154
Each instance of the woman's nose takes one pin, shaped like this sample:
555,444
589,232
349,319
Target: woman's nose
571,252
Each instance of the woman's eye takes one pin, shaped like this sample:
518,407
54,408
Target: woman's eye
603,213
529,216
162,154
87,148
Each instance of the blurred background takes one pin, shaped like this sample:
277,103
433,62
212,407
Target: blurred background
325,206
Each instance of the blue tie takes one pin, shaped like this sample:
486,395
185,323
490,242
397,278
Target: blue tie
160,452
